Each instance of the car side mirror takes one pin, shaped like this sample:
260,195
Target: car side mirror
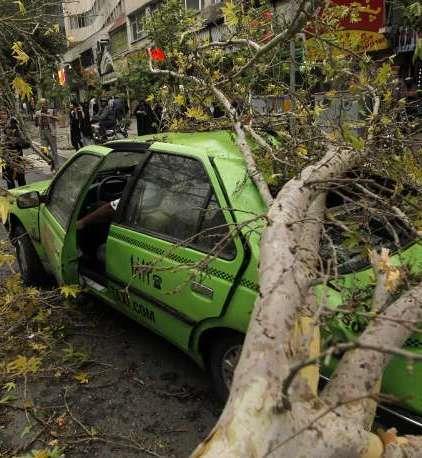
29,200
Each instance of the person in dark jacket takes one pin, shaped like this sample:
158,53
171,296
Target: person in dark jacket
13,143
107,117
145,118
76,117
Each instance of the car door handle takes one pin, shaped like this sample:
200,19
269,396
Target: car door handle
202,289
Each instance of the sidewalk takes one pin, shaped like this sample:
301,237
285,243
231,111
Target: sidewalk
65,148
38,168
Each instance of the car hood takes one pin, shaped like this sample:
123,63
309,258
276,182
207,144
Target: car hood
39,186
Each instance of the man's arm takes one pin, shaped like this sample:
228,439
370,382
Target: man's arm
102,214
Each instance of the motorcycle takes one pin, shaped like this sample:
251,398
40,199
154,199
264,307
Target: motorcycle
101,135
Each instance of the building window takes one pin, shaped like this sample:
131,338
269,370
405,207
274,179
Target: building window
87,58
193,4
137,31
118,40
78,21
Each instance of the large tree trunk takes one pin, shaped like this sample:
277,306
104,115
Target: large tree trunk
258,419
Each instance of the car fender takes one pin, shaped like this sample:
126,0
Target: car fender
15,219
235,319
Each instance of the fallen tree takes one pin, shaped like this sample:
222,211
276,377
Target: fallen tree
275,408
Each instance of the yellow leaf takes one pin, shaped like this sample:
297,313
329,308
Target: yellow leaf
197,113
6,259
21,87
23,365
150,98
177,124
38,346
81,377
19,54
9,386
4,209
331,93
229,11
179,99
70,290
55,28
301,151
388,96
41,453
21,6
393,275
216,75
386,120
393,279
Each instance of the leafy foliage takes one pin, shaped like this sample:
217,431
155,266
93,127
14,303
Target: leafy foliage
30,41
70,290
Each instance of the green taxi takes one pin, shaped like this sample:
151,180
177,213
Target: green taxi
180,254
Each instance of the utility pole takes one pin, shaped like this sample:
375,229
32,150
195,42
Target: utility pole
292,82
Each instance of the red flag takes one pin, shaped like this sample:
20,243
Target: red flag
157,54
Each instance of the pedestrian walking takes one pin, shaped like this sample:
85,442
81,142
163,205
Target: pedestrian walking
31,108
93,108
145,118
46,119
25,109
13,143
76,118
86,128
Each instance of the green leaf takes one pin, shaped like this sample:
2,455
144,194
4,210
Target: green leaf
26,431
7,398
383,74
358,143
416,9
418,50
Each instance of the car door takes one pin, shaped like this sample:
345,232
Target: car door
172,250
56,214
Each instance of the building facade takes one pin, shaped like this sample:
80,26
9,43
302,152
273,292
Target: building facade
103,33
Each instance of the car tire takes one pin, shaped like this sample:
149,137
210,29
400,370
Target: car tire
222,362
30,266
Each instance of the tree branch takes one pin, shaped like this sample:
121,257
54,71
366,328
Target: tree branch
366,366
305,9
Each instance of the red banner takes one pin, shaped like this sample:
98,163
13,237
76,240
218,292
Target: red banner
370,14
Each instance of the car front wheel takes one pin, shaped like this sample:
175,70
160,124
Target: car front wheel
223,360
31,269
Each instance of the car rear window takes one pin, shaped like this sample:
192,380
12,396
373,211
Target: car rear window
357,221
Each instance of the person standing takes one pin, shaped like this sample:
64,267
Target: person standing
14,141
76,118
46,119
93,108
144,118
86,128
